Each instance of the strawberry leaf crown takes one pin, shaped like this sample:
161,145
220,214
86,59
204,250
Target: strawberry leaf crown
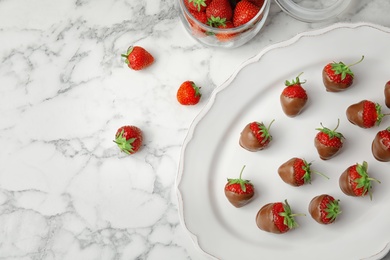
295,82
364,181
198,3
264,131
331,133
333,210
129,50
379,113
240,181
197,90
307,176
288,216
216,21
125,145
344,70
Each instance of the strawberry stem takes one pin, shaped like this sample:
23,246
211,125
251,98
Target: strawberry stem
350,65
323,175
242,171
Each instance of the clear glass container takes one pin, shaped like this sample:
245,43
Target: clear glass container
223,38
304,10
313,11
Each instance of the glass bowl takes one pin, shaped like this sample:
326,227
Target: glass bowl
313,11
223,38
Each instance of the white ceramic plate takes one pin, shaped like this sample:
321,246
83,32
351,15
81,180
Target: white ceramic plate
211,152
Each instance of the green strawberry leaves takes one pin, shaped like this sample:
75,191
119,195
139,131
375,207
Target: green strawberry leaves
240,181
344,70
331,133
198,3
125,145
333,210
289,216
296,81
364,181
264,132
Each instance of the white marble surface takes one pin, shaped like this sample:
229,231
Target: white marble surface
66,191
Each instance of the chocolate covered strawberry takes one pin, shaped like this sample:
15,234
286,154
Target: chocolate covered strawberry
324,209
365,114
338,76
387,94
137,58
293,97
276,218
255,136
296,172
381,145
239,192
328,142
355,181
129,139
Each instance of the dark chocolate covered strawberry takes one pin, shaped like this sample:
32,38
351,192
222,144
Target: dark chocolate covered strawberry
324,209
293,97
239,192
328,142
365,114
255,136
276,218
337,76
381,145
355,181
387,94
296,172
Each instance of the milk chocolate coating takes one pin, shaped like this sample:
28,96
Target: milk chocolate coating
292,106
379,150
332,86
315,208
387,94
355,114
325,152
287,173
248,141
238,200
344,183
265,219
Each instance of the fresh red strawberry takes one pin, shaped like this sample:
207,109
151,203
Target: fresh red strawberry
328,142
293,97
276,218
197,5
196,28
365,114
239,192
219,8
225,36
137,58
381,145
324,209
338,76
296,172
129,139
188,93
244,12
255,136
354,181
387,94
259,3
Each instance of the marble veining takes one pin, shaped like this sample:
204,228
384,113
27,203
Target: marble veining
66,191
